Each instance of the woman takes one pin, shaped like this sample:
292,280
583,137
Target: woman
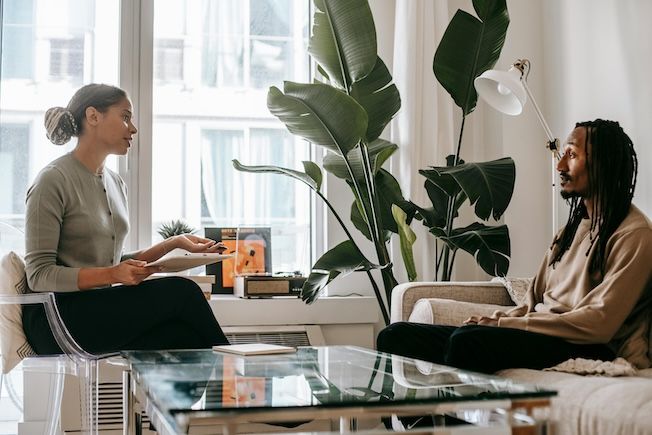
76,225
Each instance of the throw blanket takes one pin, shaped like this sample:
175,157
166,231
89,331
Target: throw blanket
581,366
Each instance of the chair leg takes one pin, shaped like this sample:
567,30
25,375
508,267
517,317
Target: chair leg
54,410
88,386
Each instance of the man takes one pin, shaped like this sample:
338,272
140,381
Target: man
591,296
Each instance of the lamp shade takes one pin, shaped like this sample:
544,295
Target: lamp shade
502,90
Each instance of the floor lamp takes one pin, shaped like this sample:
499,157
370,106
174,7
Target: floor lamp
507,92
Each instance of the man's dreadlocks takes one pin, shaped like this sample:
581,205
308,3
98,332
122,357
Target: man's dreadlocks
612,167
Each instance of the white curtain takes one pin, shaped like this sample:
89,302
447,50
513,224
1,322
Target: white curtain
427,127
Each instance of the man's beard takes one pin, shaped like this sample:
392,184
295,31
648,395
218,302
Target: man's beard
564,194
570,195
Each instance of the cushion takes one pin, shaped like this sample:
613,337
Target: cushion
516,287
449,312
13,344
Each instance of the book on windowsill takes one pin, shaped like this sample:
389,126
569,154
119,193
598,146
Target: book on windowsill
254,349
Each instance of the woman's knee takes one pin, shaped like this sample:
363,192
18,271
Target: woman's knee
179,288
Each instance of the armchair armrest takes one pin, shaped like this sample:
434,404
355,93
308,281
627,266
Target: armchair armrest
405,296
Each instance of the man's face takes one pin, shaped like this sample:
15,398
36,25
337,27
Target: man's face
573,166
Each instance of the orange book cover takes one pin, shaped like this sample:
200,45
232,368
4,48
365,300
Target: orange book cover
251,250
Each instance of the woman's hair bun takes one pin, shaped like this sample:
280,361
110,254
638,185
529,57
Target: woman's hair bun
60,125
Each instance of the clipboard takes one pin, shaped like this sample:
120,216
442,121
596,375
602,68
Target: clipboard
183,260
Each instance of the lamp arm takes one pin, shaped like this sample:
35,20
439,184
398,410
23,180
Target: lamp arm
553,142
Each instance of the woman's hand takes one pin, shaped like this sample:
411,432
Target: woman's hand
481,320
192,243
132,272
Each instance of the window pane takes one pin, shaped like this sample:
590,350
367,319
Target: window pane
18,38
168,60
270,17
67,59
226,118
223,37
271,62
13,168
49,50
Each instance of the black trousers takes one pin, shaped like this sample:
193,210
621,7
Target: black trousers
484,349
165,313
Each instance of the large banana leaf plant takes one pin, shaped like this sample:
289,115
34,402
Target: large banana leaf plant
345,112
470,46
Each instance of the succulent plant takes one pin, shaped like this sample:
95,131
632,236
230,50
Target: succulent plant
174,228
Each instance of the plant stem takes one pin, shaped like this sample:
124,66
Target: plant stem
459,141
371,190
389,282
381,304
450,269
448,261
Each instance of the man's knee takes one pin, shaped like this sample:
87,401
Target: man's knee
389,338
465,348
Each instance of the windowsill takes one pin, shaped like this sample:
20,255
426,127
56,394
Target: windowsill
234,311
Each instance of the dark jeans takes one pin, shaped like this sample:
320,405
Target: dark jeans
484,349
165,313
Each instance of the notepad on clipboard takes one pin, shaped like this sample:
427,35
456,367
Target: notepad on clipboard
254,349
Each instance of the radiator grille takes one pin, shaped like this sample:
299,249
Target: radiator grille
110,406
298,338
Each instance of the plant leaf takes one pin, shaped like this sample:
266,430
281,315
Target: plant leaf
313,171
340,260
468,48
379,97
358,219
389,193
407,239
343,40
319,113
488,185
379,151
489,245
297,175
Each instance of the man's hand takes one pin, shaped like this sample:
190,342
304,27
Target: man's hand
481,320
192,243
132,272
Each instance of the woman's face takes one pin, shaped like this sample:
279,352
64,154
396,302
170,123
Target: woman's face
115,128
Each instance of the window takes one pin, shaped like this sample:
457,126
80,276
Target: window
198,130
67,59
211,64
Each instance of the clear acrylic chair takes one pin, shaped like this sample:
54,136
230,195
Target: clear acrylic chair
49,370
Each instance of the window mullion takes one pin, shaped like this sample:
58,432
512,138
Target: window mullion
136,77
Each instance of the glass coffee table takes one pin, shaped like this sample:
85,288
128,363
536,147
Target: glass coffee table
180,390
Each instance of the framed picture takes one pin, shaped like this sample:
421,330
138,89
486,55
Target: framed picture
252,251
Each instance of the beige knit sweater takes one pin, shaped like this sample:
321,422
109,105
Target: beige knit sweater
567,301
